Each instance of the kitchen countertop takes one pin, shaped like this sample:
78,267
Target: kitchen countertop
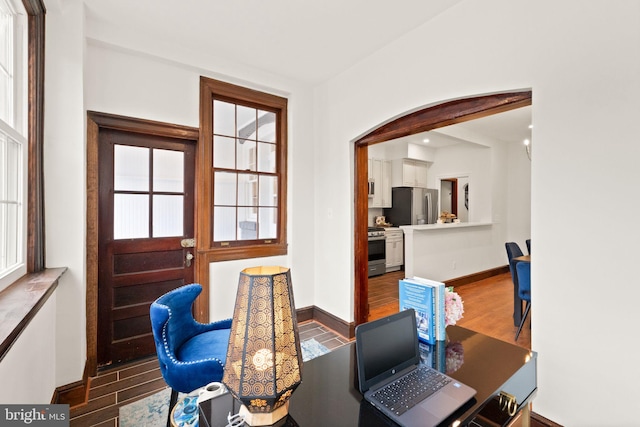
445,226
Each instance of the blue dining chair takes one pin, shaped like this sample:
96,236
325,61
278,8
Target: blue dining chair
191,354
523,270
513,251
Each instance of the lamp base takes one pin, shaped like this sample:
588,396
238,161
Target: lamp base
264,419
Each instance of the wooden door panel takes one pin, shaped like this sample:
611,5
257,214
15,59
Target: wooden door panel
133,272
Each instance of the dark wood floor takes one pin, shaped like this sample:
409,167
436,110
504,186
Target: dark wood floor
487,305
119,386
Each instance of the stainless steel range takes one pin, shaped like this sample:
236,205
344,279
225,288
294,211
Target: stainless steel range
377,251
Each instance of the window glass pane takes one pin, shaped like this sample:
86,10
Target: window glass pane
224,224
224,152
247,189
9,245
224,118
11,187
268,191
224,192
6,98
266,157
168,171
246,122
268,223
130,168
246,155
247,224
6,36
130,216
266,126
6,64
168,215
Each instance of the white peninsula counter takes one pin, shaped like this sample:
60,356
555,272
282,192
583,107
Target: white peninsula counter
451,250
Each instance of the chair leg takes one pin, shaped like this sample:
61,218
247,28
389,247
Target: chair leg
524,317
172,403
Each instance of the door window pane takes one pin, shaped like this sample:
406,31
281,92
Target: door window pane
130,216
224,228
224,118
130,168
168,171
168,215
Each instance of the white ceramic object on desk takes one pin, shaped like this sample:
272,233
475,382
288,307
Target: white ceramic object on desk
210,391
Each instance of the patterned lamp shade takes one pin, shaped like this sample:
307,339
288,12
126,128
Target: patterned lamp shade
264,360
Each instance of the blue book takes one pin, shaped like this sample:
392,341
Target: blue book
421,298
440,323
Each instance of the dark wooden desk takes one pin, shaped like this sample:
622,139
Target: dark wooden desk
517,302
329,396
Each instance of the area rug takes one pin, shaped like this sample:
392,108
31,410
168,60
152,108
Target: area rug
152,410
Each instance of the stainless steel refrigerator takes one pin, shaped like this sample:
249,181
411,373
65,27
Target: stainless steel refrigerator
412,206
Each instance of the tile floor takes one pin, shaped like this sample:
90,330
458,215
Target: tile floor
119,386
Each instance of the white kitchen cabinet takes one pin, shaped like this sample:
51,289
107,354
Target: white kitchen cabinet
394,249
409,173
380,183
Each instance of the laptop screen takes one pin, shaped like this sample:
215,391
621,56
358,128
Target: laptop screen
386,346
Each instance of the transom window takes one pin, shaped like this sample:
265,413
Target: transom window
245,132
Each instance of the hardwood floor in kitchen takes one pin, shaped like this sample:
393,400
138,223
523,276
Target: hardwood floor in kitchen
488,305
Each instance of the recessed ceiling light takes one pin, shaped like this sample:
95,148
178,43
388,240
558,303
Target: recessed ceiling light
426,140
530,126
527,142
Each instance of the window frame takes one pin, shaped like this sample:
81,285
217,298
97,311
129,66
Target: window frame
211,89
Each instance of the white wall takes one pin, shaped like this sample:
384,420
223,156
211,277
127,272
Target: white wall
64,183
28,370
581,60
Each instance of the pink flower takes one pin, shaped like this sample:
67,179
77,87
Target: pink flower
454,357
453,307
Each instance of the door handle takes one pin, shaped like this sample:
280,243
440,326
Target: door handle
188,260
188,243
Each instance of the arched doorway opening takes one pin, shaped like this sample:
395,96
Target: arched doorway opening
428,118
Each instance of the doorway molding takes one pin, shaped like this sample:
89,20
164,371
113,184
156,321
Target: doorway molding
431,117
96,122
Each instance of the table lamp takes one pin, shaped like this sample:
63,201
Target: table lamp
264,360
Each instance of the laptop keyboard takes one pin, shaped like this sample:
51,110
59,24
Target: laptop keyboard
409,390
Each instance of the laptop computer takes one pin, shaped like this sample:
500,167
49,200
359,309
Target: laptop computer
387,356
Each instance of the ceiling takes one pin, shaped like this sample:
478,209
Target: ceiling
302,40
511,126
310,41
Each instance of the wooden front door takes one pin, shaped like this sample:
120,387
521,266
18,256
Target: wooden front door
146,190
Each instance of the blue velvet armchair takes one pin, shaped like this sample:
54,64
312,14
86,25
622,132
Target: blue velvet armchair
191,354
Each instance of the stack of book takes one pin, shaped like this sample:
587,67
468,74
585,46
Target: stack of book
426,297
